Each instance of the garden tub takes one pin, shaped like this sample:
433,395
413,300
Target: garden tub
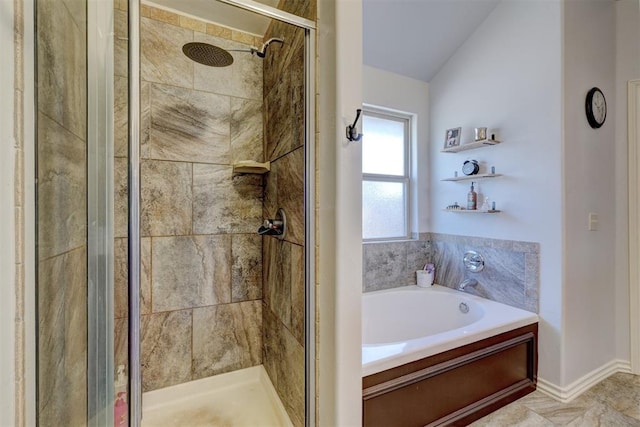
433,356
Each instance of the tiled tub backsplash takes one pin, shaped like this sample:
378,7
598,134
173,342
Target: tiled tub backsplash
510,276
393,264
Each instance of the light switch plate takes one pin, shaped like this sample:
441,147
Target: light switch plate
593,222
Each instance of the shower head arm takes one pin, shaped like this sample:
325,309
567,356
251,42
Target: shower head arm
262,51
251,50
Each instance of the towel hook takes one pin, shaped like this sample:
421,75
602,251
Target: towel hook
352,130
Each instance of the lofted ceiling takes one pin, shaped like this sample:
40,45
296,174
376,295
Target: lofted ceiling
220,13
415,38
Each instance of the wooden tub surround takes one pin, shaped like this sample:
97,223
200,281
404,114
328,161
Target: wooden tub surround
456,387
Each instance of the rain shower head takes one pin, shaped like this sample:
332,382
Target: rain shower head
214,56
207,54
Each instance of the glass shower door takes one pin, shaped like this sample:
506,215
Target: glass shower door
74,220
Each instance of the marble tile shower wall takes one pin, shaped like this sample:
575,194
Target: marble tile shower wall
511,273
284,274
62,210
201,257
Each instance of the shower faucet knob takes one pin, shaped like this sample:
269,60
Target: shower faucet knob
273,224
274,227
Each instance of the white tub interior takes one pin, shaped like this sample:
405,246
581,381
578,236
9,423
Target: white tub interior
405,324
391,317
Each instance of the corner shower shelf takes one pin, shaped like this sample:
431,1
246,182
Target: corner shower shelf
475,211
470,146
249,166
472,177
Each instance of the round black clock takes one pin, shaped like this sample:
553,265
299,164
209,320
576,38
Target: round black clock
596,108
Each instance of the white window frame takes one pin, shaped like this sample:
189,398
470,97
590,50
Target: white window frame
406,179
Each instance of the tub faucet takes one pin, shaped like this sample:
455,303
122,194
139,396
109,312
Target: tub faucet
467,282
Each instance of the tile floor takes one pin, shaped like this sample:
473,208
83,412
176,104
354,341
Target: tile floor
614,402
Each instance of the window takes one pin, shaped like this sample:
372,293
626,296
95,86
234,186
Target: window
385,175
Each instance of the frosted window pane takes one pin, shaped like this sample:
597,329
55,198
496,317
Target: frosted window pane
383,146
383,210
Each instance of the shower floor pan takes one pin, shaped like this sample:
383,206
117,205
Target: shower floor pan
240,398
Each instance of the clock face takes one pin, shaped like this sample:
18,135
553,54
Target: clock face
596,108
599,107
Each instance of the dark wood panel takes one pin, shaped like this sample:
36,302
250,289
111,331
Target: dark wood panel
455,387
389,374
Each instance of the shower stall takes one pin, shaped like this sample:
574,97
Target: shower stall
175,164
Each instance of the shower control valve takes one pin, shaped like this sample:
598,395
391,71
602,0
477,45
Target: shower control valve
272,224
274,227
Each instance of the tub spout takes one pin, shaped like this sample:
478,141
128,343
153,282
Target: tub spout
467,282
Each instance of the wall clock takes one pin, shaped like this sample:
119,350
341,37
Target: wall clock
596,108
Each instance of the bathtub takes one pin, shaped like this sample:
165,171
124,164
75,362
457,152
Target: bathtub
437,356
405,324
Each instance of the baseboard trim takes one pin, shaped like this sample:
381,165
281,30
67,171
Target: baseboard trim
576,388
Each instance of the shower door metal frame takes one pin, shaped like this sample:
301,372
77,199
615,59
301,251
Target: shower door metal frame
310,229
633,136
272,12
310,224
135,377
134,354
100,213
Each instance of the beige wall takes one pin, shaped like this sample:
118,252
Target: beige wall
9,92
20,286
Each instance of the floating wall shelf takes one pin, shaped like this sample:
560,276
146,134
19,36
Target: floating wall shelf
468,211
249,166
472,177
470,146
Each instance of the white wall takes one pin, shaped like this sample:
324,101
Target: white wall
627,68
384,89
7,266
339,235
590,186
507,75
